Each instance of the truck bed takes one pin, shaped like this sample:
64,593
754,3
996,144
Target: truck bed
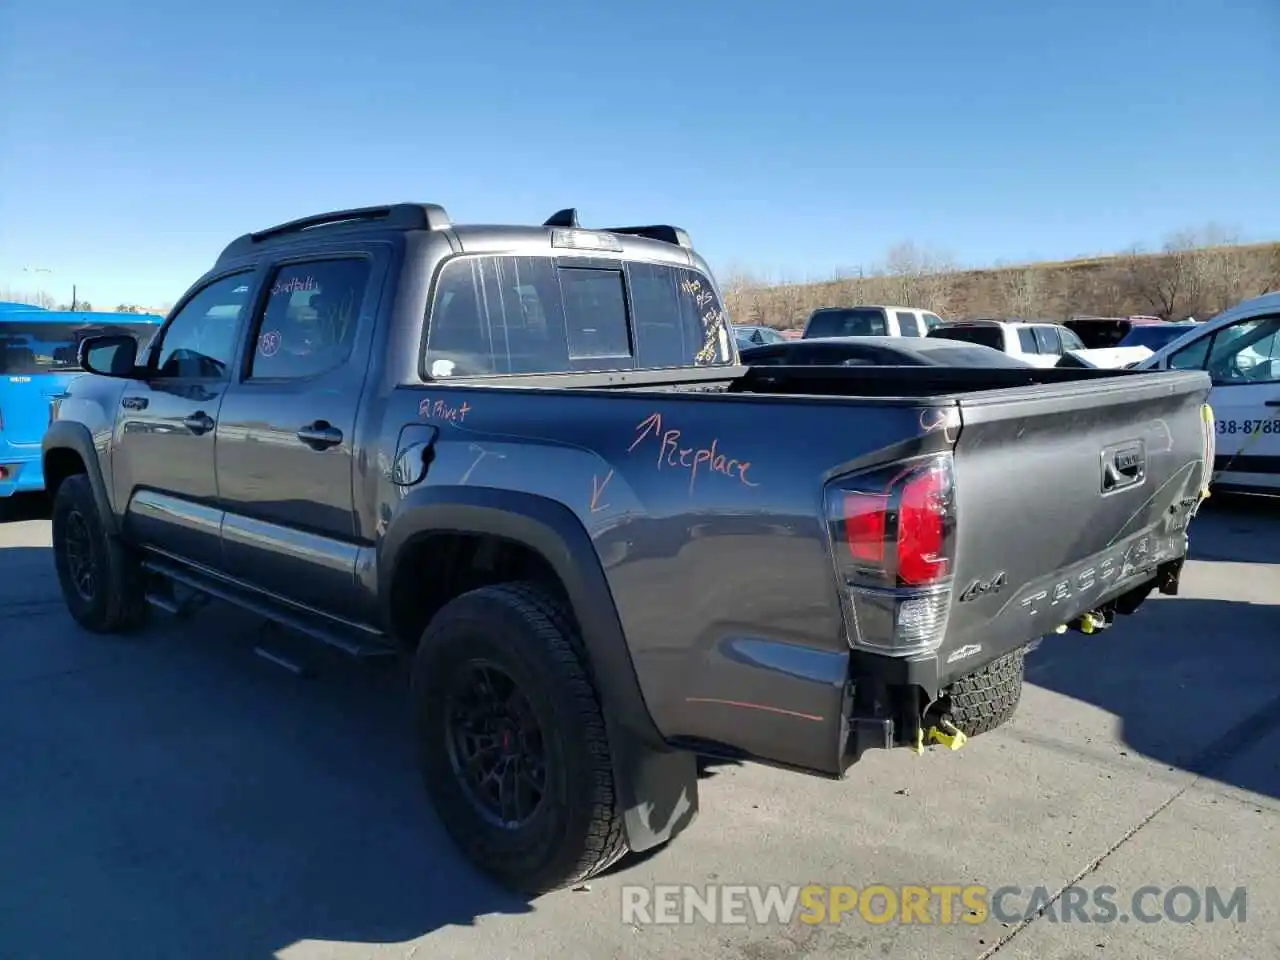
708,496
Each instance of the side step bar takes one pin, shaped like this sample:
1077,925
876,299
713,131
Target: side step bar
359,644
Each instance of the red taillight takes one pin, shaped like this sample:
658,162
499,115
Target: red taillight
922,529
894,524
893,532
865,515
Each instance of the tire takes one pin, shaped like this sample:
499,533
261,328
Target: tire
989,697
521,633
113,600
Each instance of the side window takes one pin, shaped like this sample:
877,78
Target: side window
1192,356
1027,340
200,341
1245,352
595,314
308,324
907,324
1047,340
1069,340
931,323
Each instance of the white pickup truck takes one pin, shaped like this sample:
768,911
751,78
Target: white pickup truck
1240,350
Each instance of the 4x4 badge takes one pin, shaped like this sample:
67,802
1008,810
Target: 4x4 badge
980,588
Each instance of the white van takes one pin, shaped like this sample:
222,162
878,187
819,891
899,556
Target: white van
1240,350
870,321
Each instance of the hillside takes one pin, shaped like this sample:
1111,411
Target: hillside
1184,279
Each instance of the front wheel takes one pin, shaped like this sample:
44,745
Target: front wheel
101,578
511,740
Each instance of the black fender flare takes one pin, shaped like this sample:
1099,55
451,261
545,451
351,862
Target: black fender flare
73,436
657,784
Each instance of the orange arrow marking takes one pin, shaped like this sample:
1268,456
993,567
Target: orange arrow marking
597,490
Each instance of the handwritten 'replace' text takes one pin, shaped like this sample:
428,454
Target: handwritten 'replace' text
698,460
439,410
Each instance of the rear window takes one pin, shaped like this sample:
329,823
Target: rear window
1099,334
531,315
30,348
973,356
986,336
854,322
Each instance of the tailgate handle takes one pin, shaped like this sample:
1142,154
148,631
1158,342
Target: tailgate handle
1273,403
1123,465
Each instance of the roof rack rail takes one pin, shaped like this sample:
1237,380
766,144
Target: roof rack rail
568,218
401,216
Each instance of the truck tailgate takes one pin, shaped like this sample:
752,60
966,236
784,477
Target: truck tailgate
1067,496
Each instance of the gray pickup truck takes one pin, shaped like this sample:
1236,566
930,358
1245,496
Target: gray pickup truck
526,460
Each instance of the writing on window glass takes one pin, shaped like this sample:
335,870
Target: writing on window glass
295,285
713,319
269,343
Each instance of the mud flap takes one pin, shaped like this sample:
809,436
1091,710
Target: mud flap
657,792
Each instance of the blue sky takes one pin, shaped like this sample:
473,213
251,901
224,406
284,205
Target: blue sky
790,139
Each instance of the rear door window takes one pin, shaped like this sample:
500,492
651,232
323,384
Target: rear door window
1027,340
852,322
1047,340
1069,340
907,326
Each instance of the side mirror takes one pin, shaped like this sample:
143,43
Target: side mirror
115,355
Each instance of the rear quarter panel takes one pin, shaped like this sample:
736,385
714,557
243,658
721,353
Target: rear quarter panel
706,514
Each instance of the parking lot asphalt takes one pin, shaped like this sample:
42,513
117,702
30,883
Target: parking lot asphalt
171,795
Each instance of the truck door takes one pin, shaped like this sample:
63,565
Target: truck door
162,458
287,443
1243,359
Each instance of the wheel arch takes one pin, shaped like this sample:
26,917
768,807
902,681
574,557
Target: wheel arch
656,784
68,449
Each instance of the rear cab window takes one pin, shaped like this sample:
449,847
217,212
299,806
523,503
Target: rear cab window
848,322
986,336
514,315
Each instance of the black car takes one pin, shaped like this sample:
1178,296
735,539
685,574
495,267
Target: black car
878,352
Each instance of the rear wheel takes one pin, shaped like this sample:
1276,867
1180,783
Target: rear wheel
511,740
101,578
989,697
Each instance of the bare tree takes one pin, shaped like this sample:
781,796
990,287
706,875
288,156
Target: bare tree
1021,292
919,278
38,298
